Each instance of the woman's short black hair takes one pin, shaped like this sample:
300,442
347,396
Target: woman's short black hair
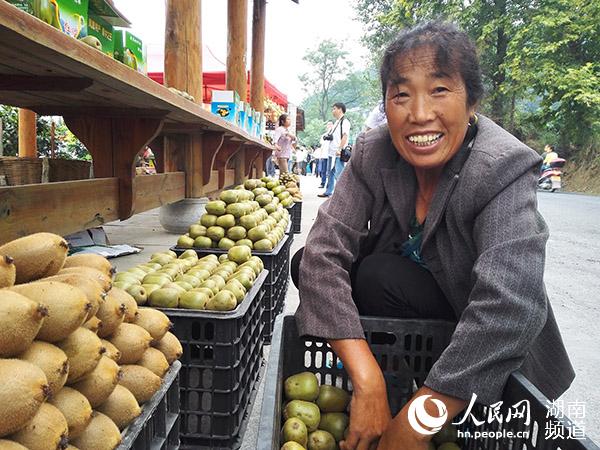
454,53
340,105
282,119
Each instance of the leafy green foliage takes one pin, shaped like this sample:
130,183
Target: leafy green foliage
67,145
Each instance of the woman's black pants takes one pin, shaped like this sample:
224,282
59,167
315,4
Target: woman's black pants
390,285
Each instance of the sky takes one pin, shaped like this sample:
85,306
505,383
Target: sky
291,30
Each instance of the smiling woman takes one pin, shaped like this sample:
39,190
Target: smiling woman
434,217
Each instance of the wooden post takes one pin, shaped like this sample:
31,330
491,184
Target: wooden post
183,52
257,73
237,18
27,134
52,139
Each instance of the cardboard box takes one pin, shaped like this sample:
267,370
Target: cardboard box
103,31
225,105
257,124
71,16
130,50
107,10
241,119
249,119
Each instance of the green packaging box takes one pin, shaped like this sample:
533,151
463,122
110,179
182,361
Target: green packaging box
103,31
69,16
130,50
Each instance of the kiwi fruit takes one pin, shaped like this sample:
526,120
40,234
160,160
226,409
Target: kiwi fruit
99,384
20,321
36,256
47,429
23,389
8,271
68,307
10,445
132,341
154,322
83,349
111,313
93,324
154,360
170,346
104,280
121,406
100,434
91,288
90,260
141,382
127,300
112,352
76,409
52,360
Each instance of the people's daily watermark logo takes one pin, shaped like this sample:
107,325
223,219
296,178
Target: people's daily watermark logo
570,427
418,415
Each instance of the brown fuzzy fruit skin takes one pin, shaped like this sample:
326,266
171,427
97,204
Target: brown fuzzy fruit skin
23,389
154,322
91,288
8,271
170,346
52,360
112,352
93,324
90,260
76,409
84,350
10,445
121,406
47,429
154,360
100,434
100,383
105,281
132,341
68,307
125,298
111,313
20,321
142,383
36,256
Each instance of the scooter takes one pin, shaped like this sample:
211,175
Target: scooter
551,177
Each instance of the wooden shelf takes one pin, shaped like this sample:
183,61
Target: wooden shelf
115,111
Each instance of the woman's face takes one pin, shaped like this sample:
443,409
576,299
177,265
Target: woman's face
288,122
427,111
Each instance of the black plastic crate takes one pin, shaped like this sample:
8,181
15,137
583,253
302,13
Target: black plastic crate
157,427
296,215
273,260
274,299
406,351
205,426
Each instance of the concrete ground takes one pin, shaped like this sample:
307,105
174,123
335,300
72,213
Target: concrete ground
572,279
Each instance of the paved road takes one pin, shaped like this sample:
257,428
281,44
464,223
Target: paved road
573,283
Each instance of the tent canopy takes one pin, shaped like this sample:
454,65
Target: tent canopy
216,81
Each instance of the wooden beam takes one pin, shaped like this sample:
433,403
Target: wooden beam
252,154
257,73
48,84
211,144
152,191
229,151
237,18
183,50
61,208
114,144
27,134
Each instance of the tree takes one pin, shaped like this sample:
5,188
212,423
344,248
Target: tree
67,145
329,64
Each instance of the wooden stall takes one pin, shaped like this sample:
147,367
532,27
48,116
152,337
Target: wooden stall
116,112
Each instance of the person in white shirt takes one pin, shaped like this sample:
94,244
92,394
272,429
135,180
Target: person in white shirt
338,139
323,156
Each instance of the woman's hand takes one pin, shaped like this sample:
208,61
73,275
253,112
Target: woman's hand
369,415
369,409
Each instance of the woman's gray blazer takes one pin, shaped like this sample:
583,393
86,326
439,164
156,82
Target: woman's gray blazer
484,243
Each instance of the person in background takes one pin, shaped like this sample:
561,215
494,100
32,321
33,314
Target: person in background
324,155
339,136
376,117
283,141
270,165
301,155
549,156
